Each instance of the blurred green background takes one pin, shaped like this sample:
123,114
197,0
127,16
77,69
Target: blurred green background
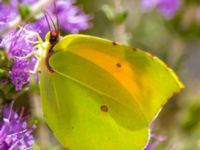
176,41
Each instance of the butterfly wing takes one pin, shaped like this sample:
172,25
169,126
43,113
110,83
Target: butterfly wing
103,95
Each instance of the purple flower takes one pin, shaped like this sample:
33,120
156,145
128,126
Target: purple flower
9,11
149,4
15,133
40,26
168,8
6,15
20,73
71,18
19,44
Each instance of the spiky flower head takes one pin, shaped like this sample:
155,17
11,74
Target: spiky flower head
19,43
15,132
167,8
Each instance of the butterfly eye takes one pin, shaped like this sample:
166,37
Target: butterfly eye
54,35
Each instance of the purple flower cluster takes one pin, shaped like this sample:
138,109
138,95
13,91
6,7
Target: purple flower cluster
21,43
15,133
167,8
71,18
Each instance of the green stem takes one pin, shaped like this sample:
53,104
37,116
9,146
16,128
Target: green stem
42,129
119,28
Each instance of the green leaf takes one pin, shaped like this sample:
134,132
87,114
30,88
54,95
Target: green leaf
103,95
118,17
121,17
24,11
109,12
7,90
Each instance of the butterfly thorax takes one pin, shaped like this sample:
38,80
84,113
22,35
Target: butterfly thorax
46,51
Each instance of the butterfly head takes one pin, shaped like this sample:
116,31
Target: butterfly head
54,37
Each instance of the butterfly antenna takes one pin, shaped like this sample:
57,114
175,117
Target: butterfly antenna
47,21
53,23
48,16
56,13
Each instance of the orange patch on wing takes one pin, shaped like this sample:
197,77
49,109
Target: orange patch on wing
123,74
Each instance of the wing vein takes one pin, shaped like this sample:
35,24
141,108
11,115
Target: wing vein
56,96
97,91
